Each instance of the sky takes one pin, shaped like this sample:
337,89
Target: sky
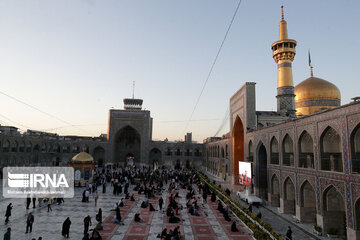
76,59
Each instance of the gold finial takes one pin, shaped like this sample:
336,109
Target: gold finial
282,13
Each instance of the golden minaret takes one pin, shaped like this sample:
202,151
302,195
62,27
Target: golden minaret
283,54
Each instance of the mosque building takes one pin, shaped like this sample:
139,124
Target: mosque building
305,157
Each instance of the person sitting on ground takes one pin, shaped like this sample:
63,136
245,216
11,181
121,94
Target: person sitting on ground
213,197
121,203
99,226
164,234
226,216
196,213
145,204
127,196
233,227
132,198
151,207
95,235
169,212
220,207
116,220
137,218
176,233
115,207
174,219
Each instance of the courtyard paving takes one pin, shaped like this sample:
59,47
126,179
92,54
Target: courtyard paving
208,226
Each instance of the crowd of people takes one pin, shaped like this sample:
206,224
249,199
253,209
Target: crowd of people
145,181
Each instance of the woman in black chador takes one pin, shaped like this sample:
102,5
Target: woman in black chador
66,228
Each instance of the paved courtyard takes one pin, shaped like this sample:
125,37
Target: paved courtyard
208,226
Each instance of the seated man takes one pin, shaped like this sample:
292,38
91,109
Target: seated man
196,213
137,218
116,220
174,219
121,203
233,227
132,198
151,207
145,204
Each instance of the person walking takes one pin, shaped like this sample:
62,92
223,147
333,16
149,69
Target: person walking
87,194
49,202
99,216
161,201
66,228
8,213
104,187
29,222
7,235
34,201
87,223
28,201
289,233
96,197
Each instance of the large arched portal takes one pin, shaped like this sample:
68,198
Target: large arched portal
155,158
262,177
307,203
99,156
127,146
238,147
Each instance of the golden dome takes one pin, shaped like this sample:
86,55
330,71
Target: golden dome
82,157
314,95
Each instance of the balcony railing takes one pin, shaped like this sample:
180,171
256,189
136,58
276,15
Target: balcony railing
274,158
306,160
331,162
355,163
288,159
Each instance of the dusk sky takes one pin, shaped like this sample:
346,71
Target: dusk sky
76,59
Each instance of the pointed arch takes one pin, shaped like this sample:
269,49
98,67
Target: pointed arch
289,196
262,166
274,151
357,214
306,150
355,149
330,150
288,151
251,152
275,191
333,208
238,146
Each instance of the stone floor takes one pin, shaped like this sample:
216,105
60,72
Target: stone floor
208,226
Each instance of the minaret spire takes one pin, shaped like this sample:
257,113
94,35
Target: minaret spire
283,54
133,89
311,67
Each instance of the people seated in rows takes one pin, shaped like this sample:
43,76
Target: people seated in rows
233,227
137,218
